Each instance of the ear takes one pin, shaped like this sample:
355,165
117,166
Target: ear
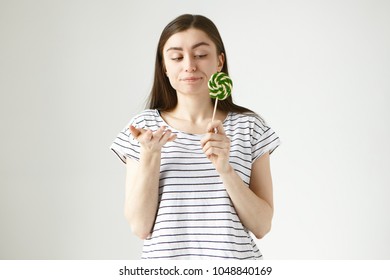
221,61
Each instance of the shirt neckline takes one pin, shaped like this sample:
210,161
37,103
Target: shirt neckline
186,133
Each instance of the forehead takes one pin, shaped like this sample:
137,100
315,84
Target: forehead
187,39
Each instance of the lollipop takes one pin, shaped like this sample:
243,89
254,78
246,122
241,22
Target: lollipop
220,86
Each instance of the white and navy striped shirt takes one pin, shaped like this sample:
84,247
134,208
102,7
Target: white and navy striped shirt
196,218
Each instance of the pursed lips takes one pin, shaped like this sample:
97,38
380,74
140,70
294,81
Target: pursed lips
190,79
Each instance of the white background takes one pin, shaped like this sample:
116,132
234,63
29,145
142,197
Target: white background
73,73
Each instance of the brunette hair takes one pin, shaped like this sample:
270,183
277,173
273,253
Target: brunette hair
163,95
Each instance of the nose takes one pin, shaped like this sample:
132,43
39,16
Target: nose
190,65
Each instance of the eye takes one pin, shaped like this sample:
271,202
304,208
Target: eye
179,58
200,56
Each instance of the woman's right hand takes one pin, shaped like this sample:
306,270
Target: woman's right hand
152,141
142,179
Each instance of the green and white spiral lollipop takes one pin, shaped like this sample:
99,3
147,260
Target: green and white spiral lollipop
220,86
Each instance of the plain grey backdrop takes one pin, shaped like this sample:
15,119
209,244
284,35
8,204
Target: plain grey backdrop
73,73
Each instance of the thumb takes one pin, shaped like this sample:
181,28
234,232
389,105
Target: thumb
216,127
134,131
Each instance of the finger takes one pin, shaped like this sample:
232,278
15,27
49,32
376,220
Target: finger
213,144
140,134
159,133
169,136
164,138
216,151
135,131
216,127
211,137
172,138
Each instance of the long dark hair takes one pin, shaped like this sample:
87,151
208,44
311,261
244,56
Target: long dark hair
163,95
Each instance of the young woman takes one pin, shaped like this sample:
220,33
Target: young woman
196,188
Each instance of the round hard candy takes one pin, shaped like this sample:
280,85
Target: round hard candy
220,85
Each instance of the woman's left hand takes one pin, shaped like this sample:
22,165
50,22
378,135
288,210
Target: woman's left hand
216,146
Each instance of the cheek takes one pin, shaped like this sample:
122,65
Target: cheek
171,75
209,66
170,68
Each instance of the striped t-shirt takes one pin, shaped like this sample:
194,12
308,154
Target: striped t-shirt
196,218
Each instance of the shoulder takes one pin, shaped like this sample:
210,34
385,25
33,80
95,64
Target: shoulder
146,118
246,120
148,114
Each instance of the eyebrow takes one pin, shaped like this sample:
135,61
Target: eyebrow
193,47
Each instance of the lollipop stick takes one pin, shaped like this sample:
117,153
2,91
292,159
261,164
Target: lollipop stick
215,108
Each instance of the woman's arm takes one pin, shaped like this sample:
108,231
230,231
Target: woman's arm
142,180
254,205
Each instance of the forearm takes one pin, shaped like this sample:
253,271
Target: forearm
254,212
142,195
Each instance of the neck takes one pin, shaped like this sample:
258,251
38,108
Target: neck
193,109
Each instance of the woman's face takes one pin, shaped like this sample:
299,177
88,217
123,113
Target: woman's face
190,58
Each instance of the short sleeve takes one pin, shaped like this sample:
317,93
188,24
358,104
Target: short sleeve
264,139
124,145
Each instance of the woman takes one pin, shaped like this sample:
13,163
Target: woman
196,188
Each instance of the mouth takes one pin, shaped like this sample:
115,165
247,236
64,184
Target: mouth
191,79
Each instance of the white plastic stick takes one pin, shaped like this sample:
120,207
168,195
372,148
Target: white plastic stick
215,108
